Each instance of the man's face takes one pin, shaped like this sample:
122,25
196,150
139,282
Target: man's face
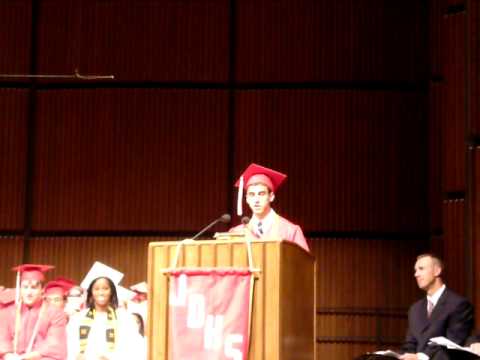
259,198
31,291
426,271
57,300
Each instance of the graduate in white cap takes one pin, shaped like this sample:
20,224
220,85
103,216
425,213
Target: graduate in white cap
103,331
260,185
30,328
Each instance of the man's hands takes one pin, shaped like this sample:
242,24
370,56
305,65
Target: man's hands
409,356
476,348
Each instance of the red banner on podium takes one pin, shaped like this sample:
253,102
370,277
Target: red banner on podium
209,314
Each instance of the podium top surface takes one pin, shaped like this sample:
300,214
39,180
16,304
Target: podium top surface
231,240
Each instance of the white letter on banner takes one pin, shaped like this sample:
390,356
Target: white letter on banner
213,331
179,298
230,352
196,311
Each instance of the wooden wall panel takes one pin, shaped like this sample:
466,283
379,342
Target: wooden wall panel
349,166
454,244
13,150
364,288
364,272
473,30
15,31
476,230
435,120
453,70
11,254
132,159
141,40
436,17
73,256
342,40
340,351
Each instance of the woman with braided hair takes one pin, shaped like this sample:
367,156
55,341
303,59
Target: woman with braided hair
102,331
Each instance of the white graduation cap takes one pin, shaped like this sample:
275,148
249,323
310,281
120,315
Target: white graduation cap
99,269
124,294
141,287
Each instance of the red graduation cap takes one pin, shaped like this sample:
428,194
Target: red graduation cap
257,174
32,271
7,297
260,174
59,286
141,291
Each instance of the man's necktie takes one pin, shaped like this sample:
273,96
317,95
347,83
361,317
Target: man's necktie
429,308
259,228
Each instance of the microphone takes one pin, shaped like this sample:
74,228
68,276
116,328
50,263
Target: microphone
225,218
245,220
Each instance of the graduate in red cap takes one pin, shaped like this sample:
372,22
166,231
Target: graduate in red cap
56,291
30,328
260,185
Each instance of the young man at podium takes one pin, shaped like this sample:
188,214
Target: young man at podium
260,185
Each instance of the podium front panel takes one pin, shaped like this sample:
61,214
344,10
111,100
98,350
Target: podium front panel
283,313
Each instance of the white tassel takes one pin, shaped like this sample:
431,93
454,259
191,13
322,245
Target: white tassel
240,197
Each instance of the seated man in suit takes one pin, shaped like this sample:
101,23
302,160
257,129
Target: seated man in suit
441,313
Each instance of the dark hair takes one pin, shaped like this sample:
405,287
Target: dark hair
141,326
113,293
435,258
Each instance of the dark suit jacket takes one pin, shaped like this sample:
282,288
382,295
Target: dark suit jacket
452,317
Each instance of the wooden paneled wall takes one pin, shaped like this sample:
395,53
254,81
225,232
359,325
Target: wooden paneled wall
331,92
454,247
473,60
130,159
378,187
13,150
454,140
364,288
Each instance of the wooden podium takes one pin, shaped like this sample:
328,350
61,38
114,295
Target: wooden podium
283,318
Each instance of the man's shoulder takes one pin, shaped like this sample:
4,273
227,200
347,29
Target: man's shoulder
454,298
448,295
287,222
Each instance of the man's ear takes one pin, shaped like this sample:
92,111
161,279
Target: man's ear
272,197
437,270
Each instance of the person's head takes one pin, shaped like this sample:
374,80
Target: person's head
428,272
139,320
31,291
259,198
260,184
56,292
141,292
102,293
56,298
75,300
32,278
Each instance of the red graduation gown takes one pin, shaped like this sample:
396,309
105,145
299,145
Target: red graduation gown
282,229
50,340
